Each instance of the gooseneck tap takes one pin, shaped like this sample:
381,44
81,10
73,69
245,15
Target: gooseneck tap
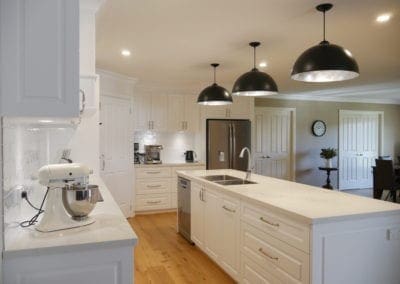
241,155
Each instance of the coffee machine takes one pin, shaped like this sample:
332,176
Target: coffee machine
69,197
152,154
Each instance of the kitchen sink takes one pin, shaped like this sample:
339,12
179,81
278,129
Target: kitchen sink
220,178
227,180
235,182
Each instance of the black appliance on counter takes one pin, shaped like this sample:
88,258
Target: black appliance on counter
190,156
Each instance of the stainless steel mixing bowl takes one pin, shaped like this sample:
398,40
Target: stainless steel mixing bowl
79,200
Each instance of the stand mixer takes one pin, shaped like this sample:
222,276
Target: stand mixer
69,199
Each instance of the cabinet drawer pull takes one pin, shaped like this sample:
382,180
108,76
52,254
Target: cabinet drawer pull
269,223
154,202
154,172
267,255
228,209
153,186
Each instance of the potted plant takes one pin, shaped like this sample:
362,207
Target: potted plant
328,154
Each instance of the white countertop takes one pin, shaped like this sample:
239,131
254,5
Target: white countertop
305,203
170,164
110,229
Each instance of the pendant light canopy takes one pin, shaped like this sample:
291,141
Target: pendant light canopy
255,83
325,62
214,95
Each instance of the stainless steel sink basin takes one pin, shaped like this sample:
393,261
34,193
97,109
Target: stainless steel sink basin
235,182
227,180
220,178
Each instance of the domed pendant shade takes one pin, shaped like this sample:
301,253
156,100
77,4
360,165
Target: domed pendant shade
214,95
255,83
325,62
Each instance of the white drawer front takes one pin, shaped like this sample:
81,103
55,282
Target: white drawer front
254,274
297,235
156,172
279,258
146,186
153,201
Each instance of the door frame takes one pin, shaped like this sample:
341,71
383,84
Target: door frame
292,155
380,133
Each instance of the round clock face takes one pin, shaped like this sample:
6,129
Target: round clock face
319,128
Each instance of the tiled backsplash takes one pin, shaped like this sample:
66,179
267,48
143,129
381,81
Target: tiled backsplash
174,143
27,146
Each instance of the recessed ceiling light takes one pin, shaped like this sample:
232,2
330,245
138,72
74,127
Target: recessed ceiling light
263,64
383,18
45,121
125,52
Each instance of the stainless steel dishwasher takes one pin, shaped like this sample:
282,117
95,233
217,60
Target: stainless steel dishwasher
184,208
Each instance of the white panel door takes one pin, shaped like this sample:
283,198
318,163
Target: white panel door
273,145
116,166
359,136
39,56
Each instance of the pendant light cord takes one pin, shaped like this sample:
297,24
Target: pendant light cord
215,76
254,55
324,32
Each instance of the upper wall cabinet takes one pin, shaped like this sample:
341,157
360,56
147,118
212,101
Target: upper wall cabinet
241,108
183,113
150,112
39,55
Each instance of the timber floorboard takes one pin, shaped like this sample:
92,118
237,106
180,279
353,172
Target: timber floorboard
163,256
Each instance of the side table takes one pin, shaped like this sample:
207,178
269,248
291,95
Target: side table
328,175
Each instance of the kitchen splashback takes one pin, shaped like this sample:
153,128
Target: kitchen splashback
28,145
174,144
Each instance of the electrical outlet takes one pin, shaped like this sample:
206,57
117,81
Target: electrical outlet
393,234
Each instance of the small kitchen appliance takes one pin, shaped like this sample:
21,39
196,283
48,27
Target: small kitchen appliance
190,156
69,197
152,154
136,153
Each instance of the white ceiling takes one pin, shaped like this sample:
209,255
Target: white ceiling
173,42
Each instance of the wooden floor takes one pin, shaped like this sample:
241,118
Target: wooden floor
163,256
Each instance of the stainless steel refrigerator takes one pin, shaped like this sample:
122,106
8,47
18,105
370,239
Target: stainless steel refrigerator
225,140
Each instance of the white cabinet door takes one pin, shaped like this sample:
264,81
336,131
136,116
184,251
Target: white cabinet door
197,215
159,106
142,112
214,111
212,224
176,106
39,56
116,167
241,108
192,113
228,229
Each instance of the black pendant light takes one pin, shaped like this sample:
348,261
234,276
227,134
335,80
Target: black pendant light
255,83
214,95
325,62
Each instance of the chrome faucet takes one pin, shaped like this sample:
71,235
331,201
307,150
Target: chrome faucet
241,155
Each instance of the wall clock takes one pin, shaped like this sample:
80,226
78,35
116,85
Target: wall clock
318,128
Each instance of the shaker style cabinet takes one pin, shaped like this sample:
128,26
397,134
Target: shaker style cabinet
150,112
39,55
241,108
183,113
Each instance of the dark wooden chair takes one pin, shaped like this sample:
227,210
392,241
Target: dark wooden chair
385,157
385,178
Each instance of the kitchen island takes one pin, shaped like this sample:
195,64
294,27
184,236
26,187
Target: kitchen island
95,254
277,231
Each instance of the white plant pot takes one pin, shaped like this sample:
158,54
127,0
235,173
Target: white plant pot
328,163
